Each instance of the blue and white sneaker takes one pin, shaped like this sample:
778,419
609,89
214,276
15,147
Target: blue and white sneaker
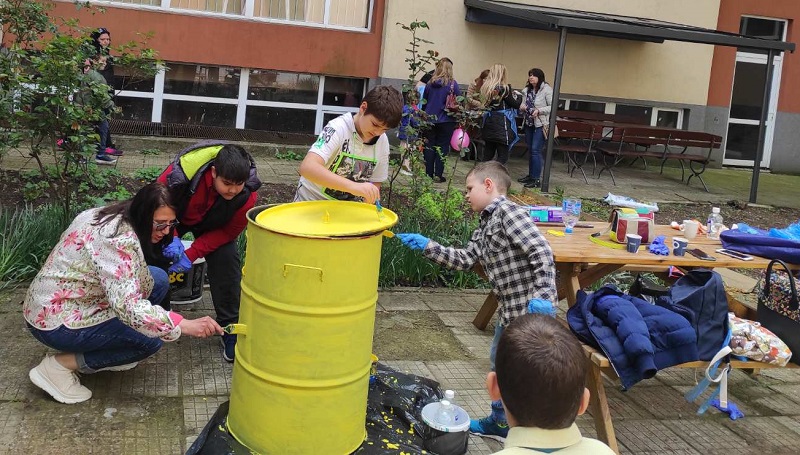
228,342
488,427
105,158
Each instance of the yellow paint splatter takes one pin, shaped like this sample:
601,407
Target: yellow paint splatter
392,446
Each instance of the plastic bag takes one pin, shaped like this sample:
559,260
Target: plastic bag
750,339
625,201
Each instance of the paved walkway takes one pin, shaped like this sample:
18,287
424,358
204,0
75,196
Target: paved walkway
645,185
160,406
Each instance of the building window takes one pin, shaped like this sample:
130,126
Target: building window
280,119
194,113
756,27
134,108
345,92
202,80
335,13
669,118
587,106
628,113
279,86
128,79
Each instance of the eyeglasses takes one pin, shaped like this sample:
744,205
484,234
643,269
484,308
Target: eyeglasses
162,226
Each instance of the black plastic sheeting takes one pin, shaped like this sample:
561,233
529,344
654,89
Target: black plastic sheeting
394,405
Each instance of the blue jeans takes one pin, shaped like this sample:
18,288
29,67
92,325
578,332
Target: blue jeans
534,138
110,343
498,412
102,130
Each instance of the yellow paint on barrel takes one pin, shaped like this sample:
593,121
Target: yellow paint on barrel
309,290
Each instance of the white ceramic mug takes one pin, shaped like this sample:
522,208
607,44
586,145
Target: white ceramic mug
690,229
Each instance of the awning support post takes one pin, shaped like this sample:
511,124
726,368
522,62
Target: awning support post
548,157
762,127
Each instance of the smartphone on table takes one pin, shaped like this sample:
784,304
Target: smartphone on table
735,254
700,254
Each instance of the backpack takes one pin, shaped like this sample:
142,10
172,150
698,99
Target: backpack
188,168
699,296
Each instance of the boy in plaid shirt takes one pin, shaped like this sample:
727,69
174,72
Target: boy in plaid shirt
514,254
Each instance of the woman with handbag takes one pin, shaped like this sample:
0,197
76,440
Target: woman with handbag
500,126
440,97
538,96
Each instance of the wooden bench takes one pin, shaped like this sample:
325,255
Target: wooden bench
662,144
599,365
576,141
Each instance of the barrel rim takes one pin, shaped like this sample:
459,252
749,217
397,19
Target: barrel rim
255,211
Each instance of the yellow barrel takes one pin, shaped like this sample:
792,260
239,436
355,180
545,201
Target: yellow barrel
309,289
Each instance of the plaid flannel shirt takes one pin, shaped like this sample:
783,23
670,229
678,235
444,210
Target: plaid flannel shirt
514,254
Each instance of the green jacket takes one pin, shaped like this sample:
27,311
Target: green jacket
94,78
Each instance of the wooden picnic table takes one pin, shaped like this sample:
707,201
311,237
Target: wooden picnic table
581,262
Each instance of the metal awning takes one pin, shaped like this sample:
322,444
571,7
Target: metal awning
492,12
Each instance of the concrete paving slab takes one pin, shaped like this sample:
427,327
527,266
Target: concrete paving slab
402,302
11,415
460,375
457,319
204,372
661,401
741,403
444,302
197,411
623,408
153,377
17,359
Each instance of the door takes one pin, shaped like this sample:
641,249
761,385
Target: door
747,94
745,112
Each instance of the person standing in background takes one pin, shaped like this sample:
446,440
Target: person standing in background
437,145
500,127
538,96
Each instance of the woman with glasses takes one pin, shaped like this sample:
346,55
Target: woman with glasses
91,301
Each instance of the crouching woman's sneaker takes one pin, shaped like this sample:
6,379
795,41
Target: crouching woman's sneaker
59,381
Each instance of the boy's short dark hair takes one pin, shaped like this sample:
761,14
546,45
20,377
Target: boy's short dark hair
495,171
541,372
233,163
385,104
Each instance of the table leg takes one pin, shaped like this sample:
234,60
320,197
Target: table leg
569,282
485,313
599,405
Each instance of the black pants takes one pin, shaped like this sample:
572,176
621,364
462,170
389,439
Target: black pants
438,136
224,270
491,147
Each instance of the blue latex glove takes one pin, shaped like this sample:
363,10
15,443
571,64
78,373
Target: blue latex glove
732,410
183,264
413,241
658,247
541,306
174,250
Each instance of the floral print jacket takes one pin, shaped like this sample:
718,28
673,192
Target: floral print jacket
94,274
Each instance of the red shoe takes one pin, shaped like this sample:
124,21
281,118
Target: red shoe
113,151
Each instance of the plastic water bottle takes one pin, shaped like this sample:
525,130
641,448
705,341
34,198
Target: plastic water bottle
714,224
446,415
571,208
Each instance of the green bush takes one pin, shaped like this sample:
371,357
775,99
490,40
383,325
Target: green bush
27,236
148,174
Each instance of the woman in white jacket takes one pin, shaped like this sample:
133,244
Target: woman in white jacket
538,97
91,301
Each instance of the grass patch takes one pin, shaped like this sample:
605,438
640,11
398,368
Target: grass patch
27,236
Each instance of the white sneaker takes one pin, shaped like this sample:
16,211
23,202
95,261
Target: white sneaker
126,367
60,382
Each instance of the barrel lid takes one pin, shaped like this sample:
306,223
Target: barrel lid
326,219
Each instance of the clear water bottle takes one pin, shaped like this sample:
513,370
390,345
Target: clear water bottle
571,208
446,415
714,224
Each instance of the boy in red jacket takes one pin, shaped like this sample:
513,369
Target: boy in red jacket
213,185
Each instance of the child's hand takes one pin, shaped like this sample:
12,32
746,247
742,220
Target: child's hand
368,191
413,241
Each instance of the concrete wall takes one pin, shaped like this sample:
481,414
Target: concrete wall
785,157
594,66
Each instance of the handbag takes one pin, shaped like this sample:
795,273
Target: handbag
778,306
546,128
625,221
752,340
451,103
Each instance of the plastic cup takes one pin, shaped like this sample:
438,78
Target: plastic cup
679,245
633,242
690,229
